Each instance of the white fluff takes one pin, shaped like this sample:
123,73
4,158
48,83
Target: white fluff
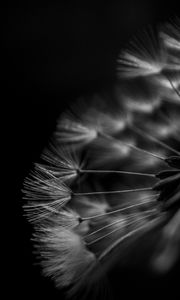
64,256
44,194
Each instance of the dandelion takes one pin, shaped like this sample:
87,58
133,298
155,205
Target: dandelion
112,175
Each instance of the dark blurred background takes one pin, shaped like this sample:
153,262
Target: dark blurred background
55,52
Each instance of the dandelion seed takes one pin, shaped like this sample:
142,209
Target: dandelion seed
171,42
64,256
171,39
154,139
62,163
44,194
136,66
69,131
142,60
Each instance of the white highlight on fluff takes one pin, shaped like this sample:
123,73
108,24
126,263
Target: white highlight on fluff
135,65
142,105
63,163
142,60
64,255
45,194
69,131
67,218
170,42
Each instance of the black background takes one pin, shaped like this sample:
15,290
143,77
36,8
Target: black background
53,53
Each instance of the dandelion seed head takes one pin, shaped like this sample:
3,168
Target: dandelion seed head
113,173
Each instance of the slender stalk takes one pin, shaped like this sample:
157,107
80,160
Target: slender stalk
113,192
152,138
172,85
116,229
132,146
118,210
121,239
117,172
118,221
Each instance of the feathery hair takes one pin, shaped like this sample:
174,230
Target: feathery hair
65,256
84,213
45,194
